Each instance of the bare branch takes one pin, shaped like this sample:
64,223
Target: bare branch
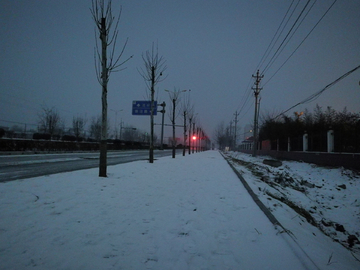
99,11
116,27
97,68
175,100
105,64
115,65
152,60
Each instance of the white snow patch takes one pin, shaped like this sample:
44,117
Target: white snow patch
190,212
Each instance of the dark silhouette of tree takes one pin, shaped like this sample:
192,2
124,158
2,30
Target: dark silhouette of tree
105,63
78,125
152,74
222,136
95,128
346,127
49,121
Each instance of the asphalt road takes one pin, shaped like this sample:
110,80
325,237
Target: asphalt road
27,166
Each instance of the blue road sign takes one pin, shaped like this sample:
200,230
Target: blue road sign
143,107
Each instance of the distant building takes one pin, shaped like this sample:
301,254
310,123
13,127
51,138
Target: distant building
247,144
248,132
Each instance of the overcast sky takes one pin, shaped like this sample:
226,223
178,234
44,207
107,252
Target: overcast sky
211,47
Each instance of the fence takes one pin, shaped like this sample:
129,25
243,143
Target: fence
328,148
325,141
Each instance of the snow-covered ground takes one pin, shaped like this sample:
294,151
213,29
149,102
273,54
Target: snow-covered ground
300,194
190,212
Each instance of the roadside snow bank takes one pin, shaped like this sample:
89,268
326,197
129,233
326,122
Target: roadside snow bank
327,198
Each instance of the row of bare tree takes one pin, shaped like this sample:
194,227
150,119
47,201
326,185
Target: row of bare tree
107,62
224,136
50,122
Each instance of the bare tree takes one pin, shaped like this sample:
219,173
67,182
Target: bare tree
106,63
222,135
187,110
130,133
95,128
174,113
191,116
49,120
78,125
154,68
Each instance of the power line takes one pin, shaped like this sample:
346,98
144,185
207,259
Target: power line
245,100
288,37
285,38
301,42
248,91
267,51
317,94
293,33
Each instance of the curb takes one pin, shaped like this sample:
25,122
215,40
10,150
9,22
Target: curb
291,240
256,199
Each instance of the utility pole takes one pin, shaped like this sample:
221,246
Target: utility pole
116,124
236,115
257,90
230,135
121,127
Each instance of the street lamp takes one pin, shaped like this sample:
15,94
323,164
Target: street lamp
174,95
249,131
116,112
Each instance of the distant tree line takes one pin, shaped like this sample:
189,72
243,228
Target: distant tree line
346,127
278,130
52,127
223,136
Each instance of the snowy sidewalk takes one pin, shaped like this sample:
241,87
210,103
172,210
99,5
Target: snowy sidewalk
190,212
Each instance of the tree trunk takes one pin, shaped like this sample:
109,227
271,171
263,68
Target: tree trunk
104,75
151,150
190,135
173,122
